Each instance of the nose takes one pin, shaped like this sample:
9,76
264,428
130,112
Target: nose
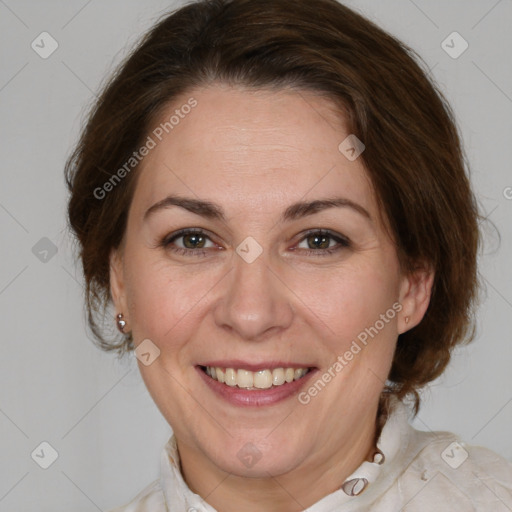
255,302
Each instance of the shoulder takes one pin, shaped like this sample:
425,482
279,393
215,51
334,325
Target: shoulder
448,474
150,499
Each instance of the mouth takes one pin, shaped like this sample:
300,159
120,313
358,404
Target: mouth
259,386
253,380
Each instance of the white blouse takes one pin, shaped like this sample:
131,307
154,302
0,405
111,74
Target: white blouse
415,471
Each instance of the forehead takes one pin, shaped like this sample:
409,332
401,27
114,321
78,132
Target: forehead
237,144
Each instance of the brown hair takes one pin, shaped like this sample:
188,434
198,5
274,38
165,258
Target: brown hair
413,153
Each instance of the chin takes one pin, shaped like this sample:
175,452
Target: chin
250,457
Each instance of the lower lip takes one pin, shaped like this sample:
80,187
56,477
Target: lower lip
251,398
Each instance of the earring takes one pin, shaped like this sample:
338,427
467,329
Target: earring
121,324
406,319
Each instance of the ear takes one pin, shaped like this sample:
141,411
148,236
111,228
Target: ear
415,293
117,285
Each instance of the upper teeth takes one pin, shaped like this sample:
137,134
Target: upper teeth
262,379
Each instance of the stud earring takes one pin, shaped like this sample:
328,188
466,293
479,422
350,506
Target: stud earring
406,319
121,324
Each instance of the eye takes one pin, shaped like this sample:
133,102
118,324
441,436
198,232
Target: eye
188,242
322,242
195,242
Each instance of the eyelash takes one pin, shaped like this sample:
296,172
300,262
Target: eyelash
167,242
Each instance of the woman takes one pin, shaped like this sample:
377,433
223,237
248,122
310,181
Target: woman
272,197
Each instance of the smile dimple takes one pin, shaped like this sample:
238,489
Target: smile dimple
262,379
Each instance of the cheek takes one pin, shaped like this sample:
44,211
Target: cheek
357,312
168,303
164,299
348,300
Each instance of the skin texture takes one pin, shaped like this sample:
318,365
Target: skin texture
254,153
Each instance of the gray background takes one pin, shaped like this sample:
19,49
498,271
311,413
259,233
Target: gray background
93,409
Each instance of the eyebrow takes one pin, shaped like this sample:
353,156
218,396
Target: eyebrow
295,211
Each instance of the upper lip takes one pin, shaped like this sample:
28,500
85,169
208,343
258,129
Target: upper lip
253,367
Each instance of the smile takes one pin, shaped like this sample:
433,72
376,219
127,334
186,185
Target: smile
262,385
249,380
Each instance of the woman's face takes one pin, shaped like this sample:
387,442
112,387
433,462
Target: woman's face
272,277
